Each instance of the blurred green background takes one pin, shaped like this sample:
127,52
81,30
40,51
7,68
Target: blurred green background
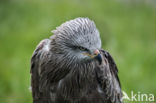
127,28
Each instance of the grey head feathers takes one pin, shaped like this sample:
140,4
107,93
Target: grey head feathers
80,32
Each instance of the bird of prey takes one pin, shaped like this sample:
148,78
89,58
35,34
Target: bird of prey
71,67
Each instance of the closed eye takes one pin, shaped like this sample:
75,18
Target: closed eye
82,48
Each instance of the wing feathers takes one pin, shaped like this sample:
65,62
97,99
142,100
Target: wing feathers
107,75
38,57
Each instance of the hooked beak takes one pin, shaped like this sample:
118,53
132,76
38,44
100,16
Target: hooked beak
92,55
96,54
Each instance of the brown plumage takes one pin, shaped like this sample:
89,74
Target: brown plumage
71,67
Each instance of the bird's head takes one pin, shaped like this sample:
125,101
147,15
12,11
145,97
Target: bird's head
77,39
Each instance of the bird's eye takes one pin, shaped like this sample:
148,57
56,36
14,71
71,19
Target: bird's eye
82,48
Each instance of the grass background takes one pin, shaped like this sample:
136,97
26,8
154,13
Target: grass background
127,28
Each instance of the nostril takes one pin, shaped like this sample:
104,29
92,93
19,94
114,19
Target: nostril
96,52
